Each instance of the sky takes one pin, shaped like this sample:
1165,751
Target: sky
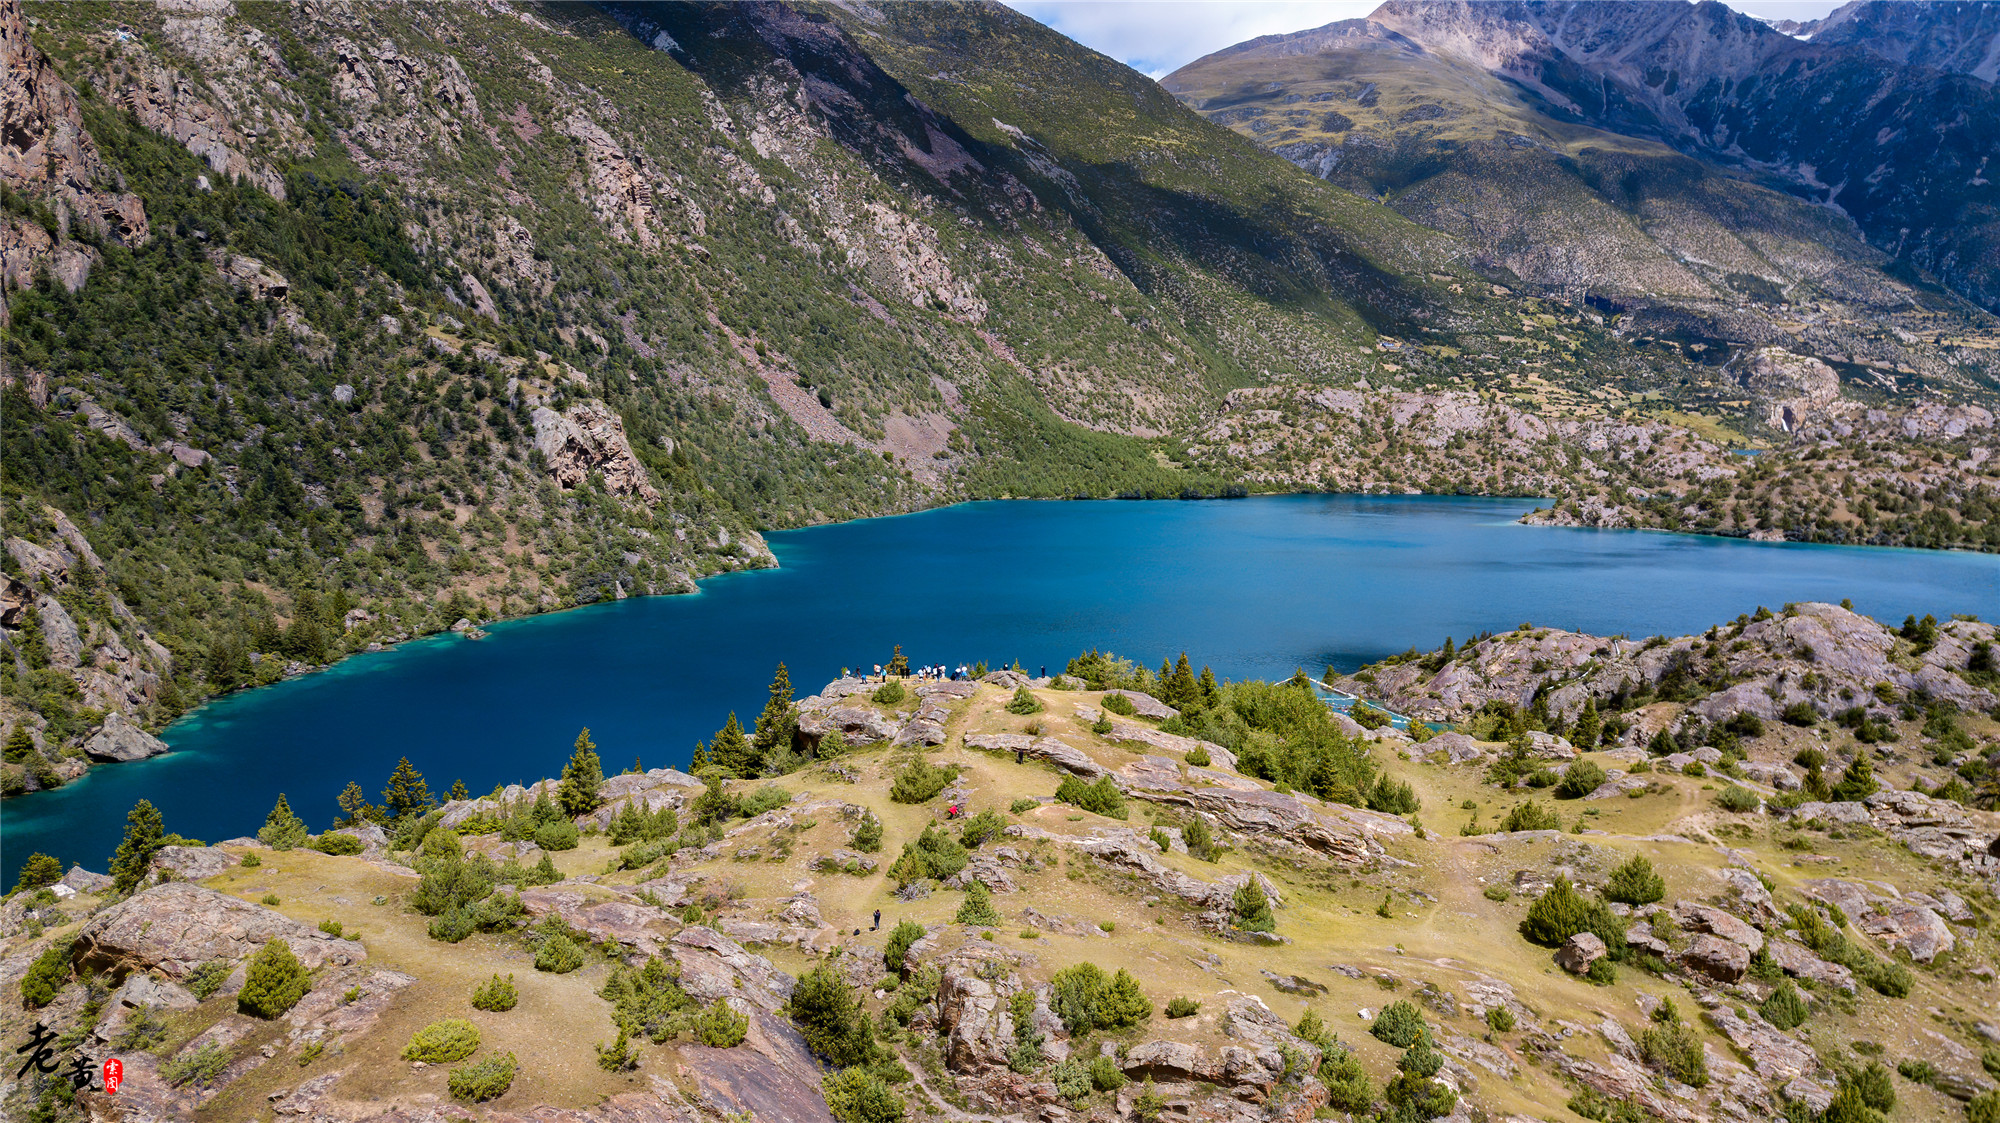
1157,37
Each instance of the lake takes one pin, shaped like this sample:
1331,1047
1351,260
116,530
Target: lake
1251,587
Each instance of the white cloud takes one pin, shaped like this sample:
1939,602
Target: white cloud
1157,37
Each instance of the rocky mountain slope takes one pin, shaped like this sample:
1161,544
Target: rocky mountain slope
1703,875
334,326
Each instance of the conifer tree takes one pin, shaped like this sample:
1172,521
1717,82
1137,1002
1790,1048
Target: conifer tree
779,720
732,751
1210,692
581,779
353,804
20,744
700,759
458,792
282,830
144,835
407,793
38,872
1589,725
899,663
1179,689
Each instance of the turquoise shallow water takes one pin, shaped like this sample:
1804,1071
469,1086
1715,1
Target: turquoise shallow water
1252,587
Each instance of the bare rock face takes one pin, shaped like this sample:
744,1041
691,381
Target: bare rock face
1062,755
45,153
177,927
588,438
191,863
1725,961
714,966
1802,964
1147,706
1704,918
120,740
1579,952
1774,1055
1796,389
860,725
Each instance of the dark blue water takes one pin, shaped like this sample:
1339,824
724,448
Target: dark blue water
1254,588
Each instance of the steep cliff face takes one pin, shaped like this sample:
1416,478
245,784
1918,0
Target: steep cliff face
62,196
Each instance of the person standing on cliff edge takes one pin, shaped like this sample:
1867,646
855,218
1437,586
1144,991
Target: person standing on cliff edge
878,920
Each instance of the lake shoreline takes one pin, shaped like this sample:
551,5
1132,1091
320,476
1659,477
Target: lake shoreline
776,563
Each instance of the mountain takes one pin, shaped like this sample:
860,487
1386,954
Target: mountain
1738,875
330,326
1647,150
1953,35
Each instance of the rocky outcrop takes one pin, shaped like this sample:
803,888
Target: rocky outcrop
1725,961
118,739
47,156
177,927
191,863
1059,753
1796,390
586,438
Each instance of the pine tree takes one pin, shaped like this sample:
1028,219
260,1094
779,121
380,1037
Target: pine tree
39,871
458,792
1588,726
779,720
581,779
1179,689
275,982
1210,692
732,752
144,835
282,830
20,745
353,804
899,663
699,760
1253,909
407,794
1858,781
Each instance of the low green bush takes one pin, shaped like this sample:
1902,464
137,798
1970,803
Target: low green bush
47,975
483,1080
1400,1024
558,955
1024,702
890,693
720,1026
559,835
208,978
496,994
1197,757
1580,779
275,982
1182,1007
1634,882
1736,798
1021,805
920,781
1120,705
452,1039
336,844
1101,797
1531,816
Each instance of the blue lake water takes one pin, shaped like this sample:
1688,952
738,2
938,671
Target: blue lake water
1253,588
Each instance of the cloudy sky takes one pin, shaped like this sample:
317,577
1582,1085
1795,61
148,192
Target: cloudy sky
1157,36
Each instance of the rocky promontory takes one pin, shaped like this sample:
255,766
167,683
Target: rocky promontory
1694,878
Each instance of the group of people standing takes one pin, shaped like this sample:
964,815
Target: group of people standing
935,672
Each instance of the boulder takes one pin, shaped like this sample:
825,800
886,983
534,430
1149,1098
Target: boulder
628,924
1171,1061
176,927
1146,706
860,725
1845,814
1579,952
1722,960
1007,680
119,740
191,863
1706,918
1061,754
84,881
1455,747
974,1018
1800,963
142,989
1913,927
